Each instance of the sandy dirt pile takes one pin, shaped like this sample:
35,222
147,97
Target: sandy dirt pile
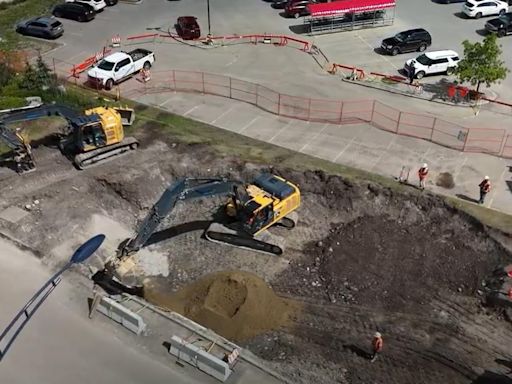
238,305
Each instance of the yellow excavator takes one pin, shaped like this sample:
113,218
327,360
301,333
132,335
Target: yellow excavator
90,137
249,212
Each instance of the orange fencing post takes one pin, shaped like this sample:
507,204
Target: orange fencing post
341,111
398,121
433,127
278,104
309,108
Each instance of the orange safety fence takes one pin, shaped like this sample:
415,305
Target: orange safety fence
376,113
77,69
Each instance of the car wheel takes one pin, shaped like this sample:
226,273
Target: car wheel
395,51
501,32
296,15
109,84
478,15
422,47
502,12
147,65
450,70
420,75
57,14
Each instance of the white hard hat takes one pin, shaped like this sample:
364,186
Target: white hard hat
377,334
486,178
425,165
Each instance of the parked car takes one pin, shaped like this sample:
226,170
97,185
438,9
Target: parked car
501,25
188,28
74,11
119,66
98,5
279,4
44,26
411,40
430,63
479,8
297,8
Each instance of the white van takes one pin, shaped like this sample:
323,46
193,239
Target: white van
432,62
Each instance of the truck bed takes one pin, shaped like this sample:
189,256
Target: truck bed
139,53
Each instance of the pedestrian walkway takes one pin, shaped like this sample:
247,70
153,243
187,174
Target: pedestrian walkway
359,145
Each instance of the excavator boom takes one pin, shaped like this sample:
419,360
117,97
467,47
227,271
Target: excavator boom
184,189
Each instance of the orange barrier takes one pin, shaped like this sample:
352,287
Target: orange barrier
87,63
380,115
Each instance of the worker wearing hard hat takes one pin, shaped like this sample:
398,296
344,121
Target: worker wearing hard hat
377,344
422,175
485,187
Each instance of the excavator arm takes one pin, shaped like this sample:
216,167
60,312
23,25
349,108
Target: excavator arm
183,189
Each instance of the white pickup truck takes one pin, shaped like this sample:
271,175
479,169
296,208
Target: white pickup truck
119,66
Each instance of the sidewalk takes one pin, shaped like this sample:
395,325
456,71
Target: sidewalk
360,145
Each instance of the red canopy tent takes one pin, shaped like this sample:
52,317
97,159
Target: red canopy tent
348,6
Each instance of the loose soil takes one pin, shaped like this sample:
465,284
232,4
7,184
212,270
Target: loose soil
362,258
238,305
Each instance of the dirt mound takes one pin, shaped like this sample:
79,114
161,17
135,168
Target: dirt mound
238,305
445,180
397,263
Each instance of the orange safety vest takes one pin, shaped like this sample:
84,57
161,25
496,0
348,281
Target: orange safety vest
377,344
422,173
485,186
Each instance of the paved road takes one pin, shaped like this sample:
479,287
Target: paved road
60,345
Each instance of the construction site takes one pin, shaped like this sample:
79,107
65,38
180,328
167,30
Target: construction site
359,257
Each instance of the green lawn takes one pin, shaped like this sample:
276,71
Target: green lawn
12,13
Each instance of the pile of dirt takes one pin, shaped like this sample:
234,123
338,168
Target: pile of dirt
237,305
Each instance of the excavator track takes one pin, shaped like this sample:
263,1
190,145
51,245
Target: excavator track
218,233
101,155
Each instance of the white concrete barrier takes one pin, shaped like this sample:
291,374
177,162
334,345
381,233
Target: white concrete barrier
199,358
122,315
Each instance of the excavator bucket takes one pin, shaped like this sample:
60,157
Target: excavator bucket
127,115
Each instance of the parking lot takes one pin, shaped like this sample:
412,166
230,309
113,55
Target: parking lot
444,22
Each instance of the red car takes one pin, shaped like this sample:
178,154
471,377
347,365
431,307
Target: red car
187,28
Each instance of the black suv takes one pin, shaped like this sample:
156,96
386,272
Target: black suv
74,11
407,41
501,25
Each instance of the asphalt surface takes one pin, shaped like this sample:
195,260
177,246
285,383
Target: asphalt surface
60,345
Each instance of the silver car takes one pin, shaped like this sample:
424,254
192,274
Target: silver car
45,27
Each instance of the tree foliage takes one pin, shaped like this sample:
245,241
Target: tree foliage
37,77
482,62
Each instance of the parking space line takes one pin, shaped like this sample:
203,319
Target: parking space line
313,138
191,110
384,153
165,102
344,149
249,124
372,47
222,115
279,131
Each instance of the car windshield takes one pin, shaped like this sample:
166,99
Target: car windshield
400,36
423,59
106,65
505,18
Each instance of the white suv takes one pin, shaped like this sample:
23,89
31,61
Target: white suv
431,63
479,8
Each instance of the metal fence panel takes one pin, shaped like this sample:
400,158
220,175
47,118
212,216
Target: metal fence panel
244,91
385,117
412,124
449,134
507,147
294,107
485,140
188,81
326,111
357,111
268,100
217,85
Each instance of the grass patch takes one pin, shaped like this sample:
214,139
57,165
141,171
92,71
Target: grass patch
12,13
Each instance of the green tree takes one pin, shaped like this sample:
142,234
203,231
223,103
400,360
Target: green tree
37,77
6,74
482,63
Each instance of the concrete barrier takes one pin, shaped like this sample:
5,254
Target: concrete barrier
117,312
199,358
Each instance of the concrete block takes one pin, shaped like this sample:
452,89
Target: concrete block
121,315
199,358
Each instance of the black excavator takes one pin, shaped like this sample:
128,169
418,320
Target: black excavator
91,137
250,210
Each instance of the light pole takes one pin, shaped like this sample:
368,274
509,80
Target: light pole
21,319
209,24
